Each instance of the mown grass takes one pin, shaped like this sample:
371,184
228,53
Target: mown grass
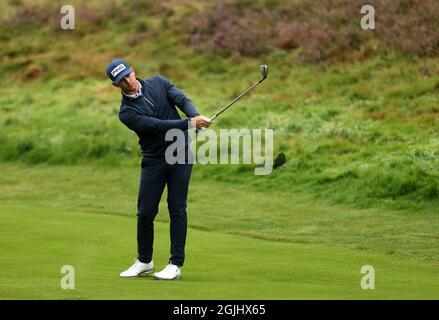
218,266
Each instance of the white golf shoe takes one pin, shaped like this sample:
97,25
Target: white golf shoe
170,272
138,269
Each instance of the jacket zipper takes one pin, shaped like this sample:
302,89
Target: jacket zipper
148,100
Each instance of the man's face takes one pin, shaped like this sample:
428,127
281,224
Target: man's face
128,83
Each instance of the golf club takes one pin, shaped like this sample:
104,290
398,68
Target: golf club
264,72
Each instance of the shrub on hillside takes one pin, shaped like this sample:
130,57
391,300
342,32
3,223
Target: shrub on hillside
89,16
24,15
232,29
324,30
409,26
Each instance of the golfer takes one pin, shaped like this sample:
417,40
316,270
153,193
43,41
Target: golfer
148,108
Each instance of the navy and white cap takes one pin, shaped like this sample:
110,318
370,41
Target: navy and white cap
117,69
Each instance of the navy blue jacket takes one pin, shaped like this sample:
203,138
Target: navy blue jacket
153,113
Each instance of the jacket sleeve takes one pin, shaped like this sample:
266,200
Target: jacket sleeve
178,98
145,124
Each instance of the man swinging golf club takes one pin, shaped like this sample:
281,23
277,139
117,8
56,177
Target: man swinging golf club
148,108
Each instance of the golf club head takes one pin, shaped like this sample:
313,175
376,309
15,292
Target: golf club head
264,70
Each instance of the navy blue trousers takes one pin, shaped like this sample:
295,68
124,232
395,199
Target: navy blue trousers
155,174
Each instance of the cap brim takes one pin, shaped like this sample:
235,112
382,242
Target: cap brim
121,75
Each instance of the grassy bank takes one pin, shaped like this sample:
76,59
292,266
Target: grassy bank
359,134
359,130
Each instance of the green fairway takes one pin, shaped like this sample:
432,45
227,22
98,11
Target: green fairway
36,243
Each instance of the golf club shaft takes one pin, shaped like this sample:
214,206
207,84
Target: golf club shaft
236,99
